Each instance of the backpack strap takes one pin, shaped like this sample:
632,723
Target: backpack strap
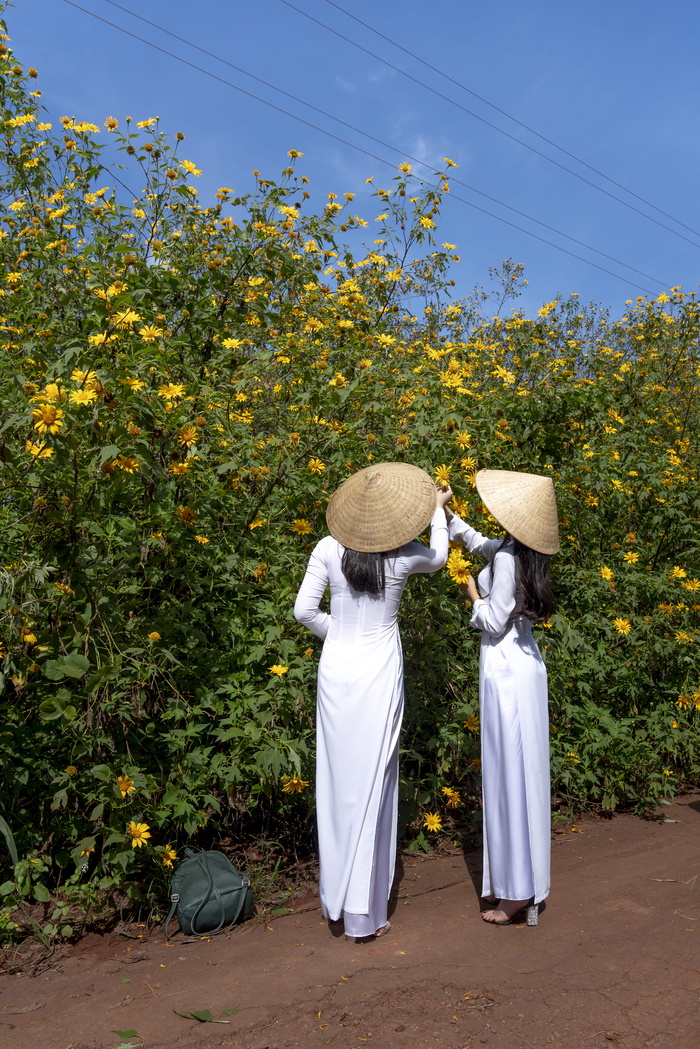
175,899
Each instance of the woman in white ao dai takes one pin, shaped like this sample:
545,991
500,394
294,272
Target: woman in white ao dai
360,705
513,700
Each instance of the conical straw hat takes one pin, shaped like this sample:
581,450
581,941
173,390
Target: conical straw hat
382,507
523,504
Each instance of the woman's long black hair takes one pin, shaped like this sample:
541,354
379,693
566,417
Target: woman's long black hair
532,573
364,572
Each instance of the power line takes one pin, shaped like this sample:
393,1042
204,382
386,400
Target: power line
510,116
359,149
483,120
386,145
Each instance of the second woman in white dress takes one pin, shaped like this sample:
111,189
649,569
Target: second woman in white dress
513,592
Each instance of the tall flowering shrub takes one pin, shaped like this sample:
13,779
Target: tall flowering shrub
184,384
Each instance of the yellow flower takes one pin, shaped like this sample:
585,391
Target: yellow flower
127,464
86,376
308,652
189,167
463,439
154,635
111,124
293,784
49,419
186,515
683,702
257,523
677,573
278,669
442,474
572,758
38,451
607,573
126,317
432,822
51,392
84,396
452,798
150,332
301,526
475,764
135,384
126,785
63,589
683,638
171,391
315,466
405,168
472,723
168,856
180,468
631,557
622,626
187,436
139,833
202,539
71,770
425,222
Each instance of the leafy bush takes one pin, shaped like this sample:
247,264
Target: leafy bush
183,386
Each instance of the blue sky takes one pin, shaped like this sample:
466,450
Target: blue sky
614,82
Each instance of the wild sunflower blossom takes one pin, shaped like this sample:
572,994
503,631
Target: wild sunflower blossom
84,396
168,856
452,798
38,451
622,626
472,723
315,466
187,436
278,669
171,391
631,558
49,419
125,785
301,526
293,784
138,832
432,822
442,474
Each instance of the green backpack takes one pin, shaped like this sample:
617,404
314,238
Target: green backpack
208,894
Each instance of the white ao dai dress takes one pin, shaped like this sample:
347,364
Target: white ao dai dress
514,729
359,711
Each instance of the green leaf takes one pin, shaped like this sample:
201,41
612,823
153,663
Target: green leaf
41,893
10,841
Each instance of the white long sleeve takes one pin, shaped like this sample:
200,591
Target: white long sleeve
500,601
306,606
493,611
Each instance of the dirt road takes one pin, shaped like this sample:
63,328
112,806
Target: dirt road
615,961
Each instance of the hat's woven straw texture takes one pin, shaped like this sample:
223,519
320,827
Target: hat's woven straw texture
523,504
382,507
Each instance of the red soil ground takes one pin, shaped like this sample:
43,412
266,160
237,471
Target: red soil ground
614,962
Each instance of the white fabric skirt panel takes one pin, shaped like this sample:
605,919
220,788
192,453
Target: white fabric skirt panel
515,765
359,712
